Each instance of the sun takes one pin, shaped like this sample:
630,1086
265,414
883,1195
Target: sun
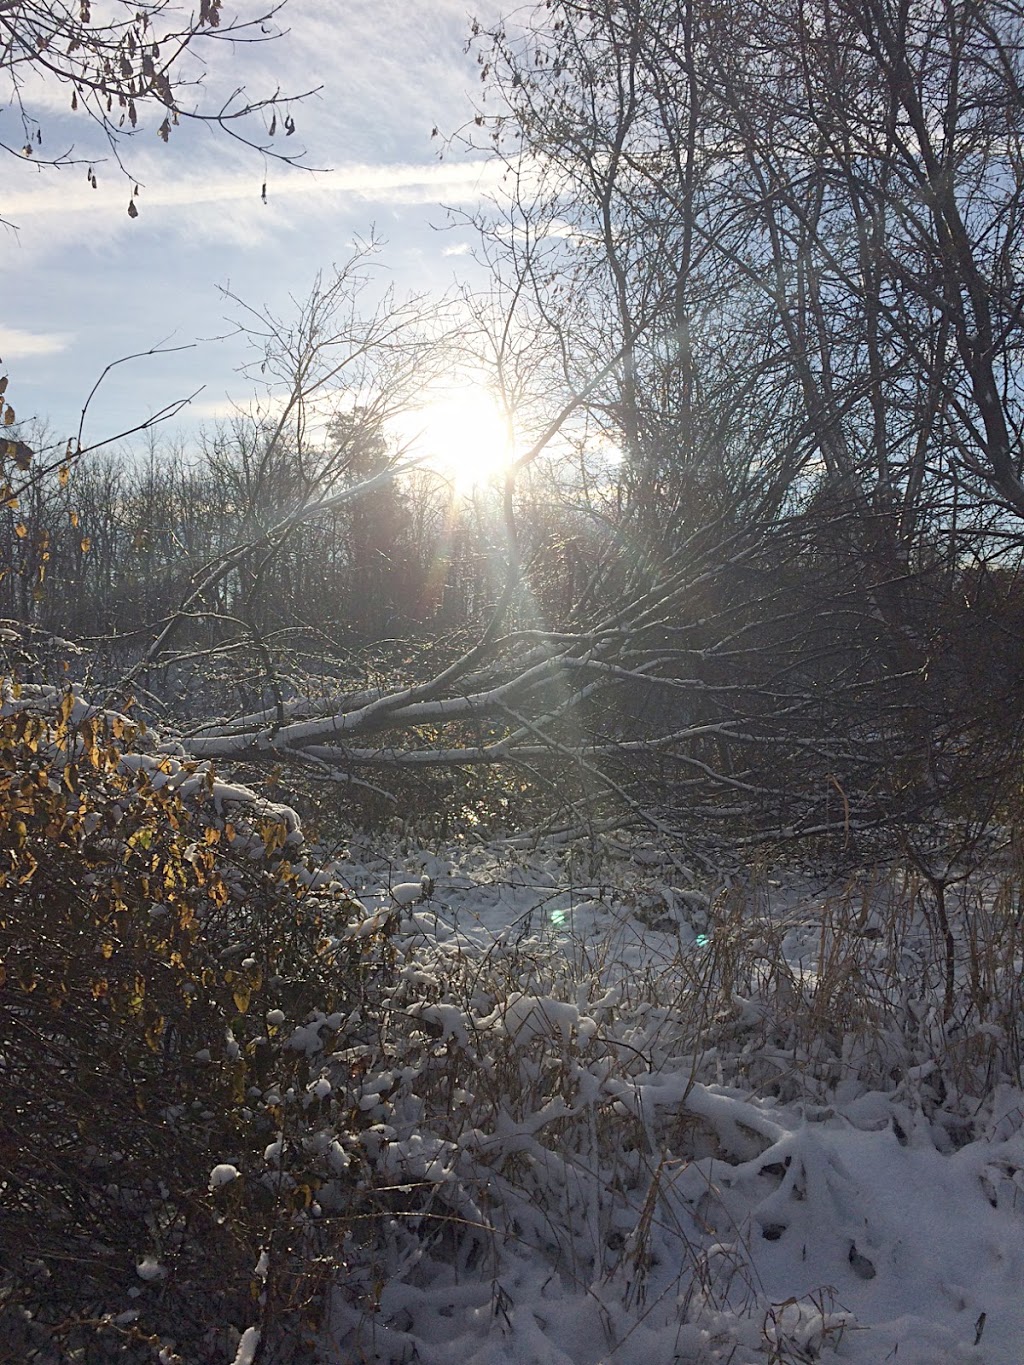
463,434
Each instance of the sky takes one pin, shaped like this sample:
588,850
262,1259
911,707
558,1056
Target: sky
83,285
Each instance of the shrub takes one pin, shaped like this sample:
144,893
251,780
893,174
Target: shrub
168,968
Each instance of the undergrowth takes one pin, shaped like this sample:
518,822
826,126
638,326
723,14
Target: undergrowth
236,1098
546,1092
162,1136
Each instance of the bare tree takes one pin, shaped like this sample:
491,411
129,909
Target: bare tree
327,382
763,367
824,199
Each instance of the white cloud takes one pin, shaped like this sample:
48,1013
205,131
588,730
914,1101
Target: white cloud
216,409
17,343
424,183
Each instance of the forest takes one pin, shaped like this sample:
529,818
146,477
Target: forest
573,915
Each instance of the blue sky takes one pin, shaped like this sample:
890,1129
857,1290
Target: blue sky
82,284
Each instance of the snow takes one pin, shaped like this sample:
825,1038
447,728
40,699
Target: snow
149,1268
246,1353
222,1174
865,1224
670,1122
407,893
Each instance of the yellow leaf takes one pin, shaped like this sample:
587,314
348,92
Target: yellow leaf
86,545
138,994
241,996
8,416
87,734
21,530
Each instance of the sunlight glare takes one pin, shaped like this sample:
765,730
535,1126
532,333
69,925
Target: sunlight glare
464,436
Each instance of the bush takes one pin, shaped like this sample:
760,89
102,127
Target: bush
168,968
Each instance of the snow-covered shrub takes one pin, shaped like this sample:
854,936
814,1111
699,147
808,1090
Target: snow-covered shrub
169,969
656,1119
508,1107
889,982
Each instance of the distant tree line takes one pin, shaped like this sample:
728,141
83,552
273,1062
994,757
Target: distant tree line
112,550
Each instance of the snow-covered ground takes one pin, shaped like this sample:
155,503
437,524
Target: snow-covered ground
677,1181
607,1111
